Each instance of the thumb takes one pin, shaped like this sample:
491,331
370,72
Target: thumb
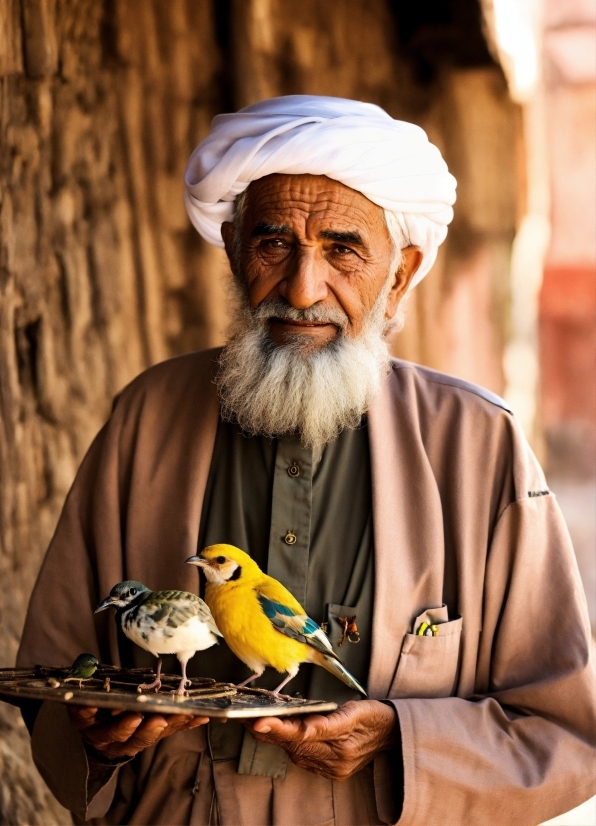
276,727
329,726
298,729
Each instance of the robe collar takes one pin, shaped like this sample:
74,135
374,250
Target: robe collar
408,525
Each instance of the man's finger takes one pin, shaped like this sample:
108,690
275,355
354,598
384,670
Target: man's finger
81,716
200,721
309,727
184,722
275,726
84,711
146,735
118,731
157,728
334,725
81,712
320,727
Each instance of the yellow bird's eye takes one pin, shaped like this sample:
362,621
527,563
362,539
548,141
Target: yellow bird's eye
220,560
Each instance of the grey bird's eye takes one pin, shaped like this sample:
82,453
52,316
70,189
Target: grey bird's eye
133,592
220,560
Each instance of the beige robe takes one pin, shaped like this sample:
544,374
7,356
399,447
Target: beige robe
497,712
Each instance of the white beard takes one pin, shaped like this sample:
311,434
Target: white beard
276,390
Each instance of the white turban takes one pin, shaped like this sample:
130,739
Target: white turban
389,161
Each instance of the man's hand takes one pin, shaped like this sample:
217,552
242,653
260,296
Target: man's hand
335,746
127,733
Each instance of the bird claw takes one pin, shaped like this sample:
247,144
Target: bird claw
181,690
156,684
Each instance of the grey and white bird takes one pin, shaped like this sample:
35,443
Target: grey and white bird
162,622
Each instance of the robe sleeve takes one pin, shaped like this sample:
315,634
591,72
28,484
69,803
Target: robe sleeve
81,785
138,490
522,748
60,624
82,563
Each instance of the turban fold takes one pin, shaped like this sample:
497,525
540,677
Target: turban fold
389,161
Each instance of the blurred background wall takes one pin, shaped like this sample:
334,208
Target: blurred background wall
101,275
567,308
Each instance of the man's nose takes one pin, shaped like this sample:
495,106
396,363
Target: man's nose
304,283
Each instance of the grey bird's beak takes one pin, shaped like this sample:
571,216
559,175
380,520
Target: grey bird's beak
199,561
103,605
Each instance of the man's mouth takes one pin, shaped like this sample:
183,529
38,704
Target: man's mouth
318,333
292,323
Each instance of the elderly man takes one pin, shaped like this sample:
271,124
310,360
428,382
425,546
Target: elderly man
371,488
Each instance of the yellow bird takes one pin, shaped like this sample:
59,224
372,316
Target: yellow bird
261,621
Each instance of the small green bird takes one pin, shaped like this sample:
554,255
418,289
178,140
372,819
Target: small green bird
162,622
261,621
83,668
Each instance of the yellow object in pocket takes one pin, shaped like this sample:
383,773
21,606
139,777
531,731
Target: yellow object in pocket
429,660
427,630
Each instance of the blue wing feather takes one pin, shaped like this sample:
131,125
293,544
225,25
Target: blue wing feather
268,606
272,608
310,626
296,626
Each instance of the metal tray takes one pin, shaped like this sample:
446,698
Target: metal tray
113,687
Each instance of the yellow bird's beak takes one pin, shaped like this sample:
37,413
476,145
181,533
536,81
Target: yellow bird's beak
199,561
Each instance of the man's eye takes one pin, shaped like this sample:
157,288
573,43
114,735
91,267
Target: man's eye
341,250
274,243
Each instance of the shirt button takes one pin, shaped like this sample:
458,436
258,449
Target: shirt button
290,538
294,470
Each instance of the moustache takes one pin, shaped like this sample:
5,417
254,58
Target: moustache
279,308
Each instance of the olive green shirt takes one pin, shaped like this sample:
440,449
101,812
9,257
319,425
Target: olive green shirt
306,518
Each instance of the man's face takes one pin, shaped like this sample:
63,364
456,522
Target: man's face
311,240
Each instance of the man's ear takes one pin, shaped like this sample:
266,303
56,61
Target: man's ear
227,234
411,259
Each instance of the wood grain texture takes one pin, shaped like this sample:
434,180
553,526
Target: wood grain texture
101,275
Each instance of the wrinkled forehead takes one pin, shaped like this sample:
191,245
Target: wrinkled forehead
309,203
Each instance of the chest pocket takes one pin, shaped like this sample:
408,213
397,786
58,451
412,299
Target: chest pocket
428,665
